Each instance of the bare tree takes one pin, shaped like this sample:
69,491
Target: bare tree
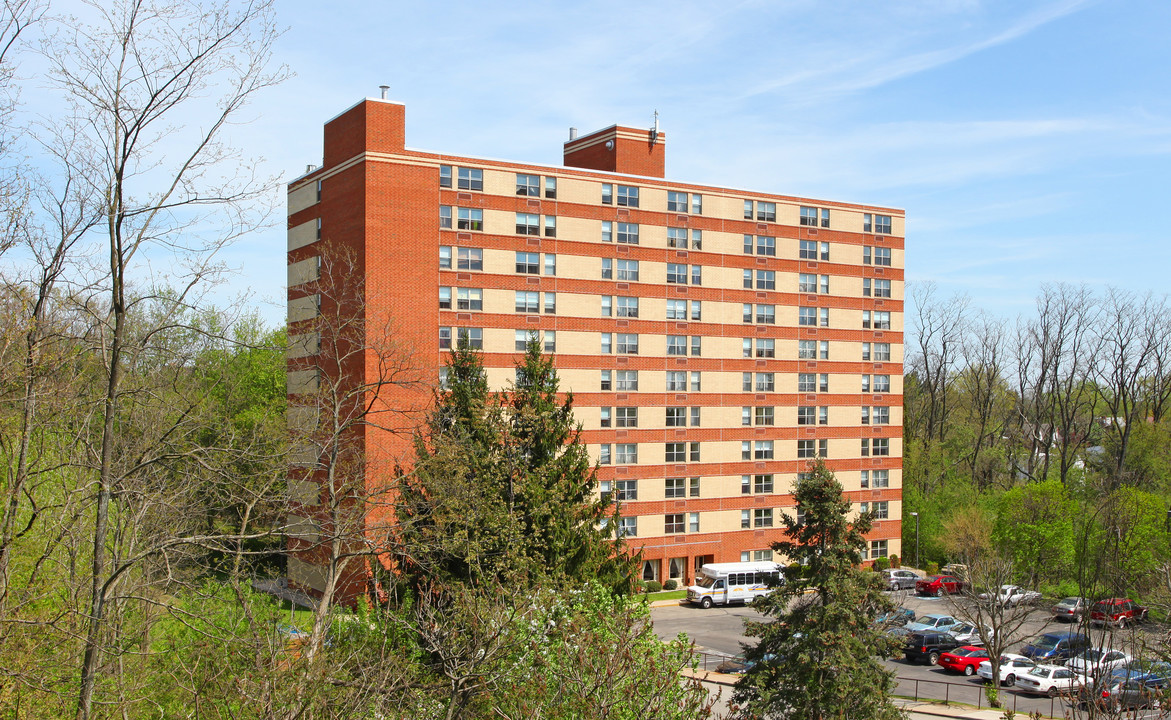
938,327
153,86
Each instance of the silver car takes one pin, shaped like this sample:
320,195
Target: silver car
897,579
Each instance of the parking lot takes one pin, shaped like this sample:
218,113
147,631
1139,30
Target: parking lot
720,630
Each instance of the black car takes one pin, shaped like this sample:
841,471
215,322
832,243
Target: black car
928,646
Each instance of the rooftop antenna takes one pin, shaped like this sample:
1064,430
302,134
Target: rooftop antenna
655,129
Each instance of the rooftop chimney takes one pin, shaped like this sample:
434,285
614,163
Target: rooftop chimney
385,90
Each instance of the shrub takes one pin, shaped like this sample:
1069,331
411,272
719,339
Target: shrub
652,586
881,564
895,562
1063,589
670,585
932,567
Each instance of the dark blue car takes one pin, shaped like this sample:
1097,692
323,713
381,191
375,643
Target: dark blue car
1055,646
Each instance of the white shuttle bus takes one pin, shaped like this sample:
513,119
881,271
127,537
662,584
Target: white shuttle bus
724,583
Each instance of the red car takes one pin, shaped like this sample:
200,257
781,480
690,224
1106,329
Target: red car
1117,611
938,584
964,660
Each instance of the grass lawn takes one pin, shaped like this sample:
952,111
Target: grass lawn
666,595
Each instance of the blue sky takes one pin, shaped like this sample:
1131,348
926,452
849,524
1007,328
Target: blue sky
1028,142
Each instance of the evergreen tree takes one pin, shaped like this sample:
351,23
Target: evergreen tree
819,657
504,489
567,531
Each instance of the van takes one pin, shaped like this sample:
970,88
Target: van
725,583
1056,646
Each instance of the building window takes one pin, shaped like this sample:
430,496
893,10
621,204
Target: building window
445,176
445,216
762,483
745,519
628,270
676,202
473,336
766,280
469,299
766,348
882,288
607,380
764,416
878,224
675,488
807,316
444,257
807,283
604,456
806,415
607,306
628,527
444,298
551,188
673,523
766,314
875,255
444,338
627,343
765,245
550,265
607,269
879,415
528,302
471,179
762,517
765,382
814,217
676,309
881,352
676,417
550,303
528,263
696,204
676,344
676,452
627,307
694,381
806,349
626,453
627,381
626,417
470,259
763,450
604,414
628,233
823,317
627,196
677,237
880,478
521,339
807,448
469,219
607,343
529,185
550,226
693,522
676,381
806,382
528,224
766,212
823,415
607,194
877,549
881,509
607,231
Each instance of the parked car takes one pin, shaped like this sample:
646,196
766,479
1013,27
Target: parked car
1117,611
1009,595
1051,680
1143,670
898,579
970,635
1071,609
1011,666
928,646
937,585
1056,646
898,616
1097,661
739,664
942,623
1113,695
964,659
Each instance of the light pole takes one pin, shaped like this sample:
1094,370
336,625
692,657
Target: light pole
916,516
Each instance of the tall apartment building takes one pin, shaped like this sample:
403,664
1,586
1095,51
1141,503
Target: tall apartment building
715,339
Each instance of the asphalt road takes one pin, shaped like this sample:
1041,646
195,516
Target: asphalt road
720,631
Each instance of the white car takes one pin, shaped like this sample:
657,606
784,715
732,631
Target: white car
967,634
1010,595
1011,666
1051,680
1097,661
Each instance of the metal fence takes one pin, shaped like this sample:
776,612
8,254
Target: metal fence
933,691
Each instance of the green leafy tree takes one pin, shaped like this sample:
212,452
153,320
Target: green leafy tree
819,657
1034,524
